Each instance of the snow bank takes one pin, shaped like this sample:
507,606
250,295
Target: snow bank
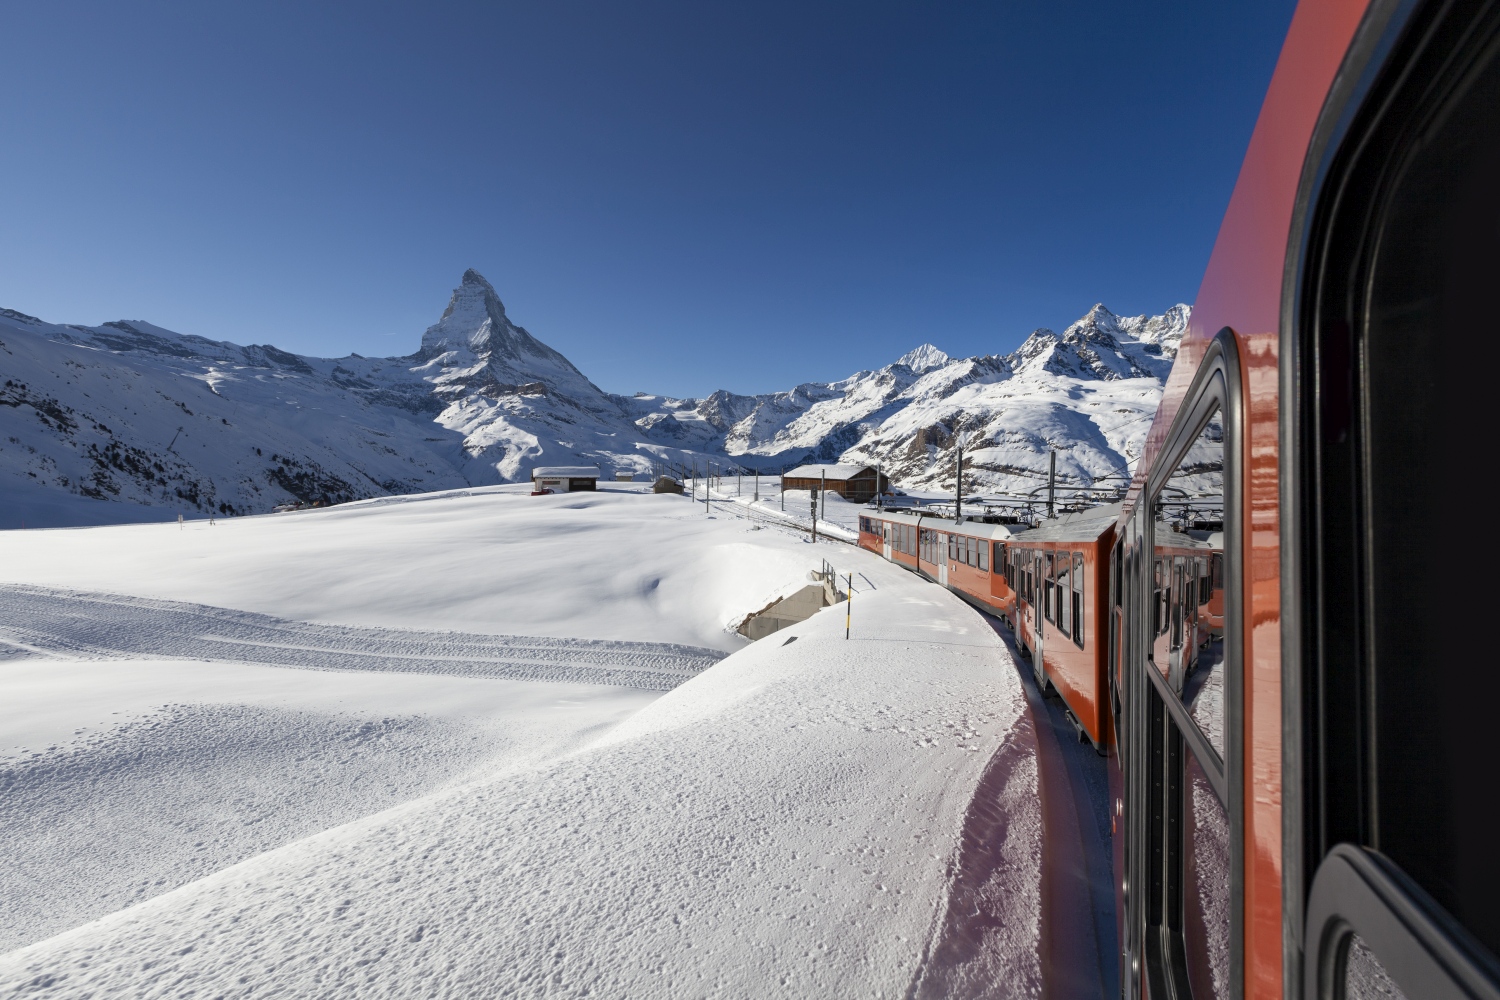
618,564
786,823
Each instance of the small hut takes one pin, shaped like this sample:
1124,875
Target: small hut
564,478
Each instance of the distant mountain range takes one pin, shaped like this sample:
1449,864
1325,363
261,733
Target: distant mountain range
156,422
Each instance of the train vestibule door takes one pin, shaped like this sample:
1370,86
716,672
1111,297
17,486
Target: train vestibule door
942,547
1038,624
885,539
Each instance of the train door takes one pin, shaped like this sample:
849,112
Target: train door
885,539
1040,613
1024,567
942,551
1393,869
1182,857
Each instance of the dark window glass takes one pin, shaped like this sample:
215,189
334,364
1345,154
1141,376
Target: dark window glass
1175,597
1049,585
1158,602
1078,591
1065,593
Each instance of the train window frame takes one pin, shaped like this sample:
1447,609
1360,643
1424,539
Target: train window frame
1404,81
1155,837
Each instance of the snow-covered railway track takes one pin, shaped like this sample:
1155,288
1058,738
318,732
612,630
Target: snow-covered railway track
38,621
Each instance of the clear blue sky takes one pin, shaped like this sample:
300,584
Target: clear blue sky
678,195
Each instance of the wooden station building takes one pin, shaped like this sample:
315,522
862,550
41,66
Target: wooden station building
855,483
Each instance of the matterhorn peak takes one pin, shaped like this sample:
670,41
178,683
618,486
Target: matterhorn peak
474,314
923,359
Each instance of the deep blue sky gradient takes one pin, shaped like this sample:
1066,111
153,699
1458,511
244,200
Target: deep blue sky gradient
680,196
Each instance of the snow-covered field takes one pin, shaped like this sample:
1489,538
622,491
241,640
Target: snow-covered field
418,746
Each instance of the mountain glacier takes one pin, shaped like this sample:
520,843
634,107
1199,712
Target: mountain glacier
128,421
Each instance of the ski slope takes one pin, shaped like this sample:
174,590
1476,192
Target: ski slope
302,755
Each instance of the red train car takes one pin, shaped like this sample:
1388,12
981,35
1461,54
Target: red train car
960,555
1305,793
1060,572
1304,801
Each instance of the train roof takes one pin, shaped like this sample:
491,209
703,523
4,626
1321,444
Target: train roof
972,529
1083,526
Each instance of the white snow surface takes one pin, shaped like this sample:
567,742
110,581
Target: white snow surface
787,821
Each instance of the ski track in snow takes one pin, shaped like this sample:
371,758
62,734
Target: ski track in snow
43,621
166,800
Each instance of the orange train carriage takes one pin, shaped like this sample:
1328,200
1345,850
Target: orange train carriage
1304,775
1304,810
1060,578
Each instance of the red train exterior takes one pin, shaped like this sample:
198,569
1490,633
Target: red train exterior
1060,572
1302,809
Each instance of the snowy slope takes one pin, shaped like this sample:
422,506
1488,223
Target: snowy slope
788,821
1089,393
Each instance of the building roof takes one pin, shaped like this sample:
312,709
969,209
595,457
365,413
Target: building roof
831,471
565,472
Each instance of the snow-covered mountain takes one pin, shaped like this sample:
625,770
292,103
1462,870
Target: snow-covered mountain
1089,393
147,418
133,413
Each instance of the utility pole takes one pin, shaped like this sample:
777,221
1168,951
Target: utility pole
783,489
958,488
848,605
1051,482
823,491
879,492
757,484
813,500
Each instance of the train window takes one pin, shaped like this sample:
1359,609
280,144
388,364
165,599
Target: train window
1365,977
1178,598
982,550
1048,586
1065,593
1156,617
1192,909
1078,599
